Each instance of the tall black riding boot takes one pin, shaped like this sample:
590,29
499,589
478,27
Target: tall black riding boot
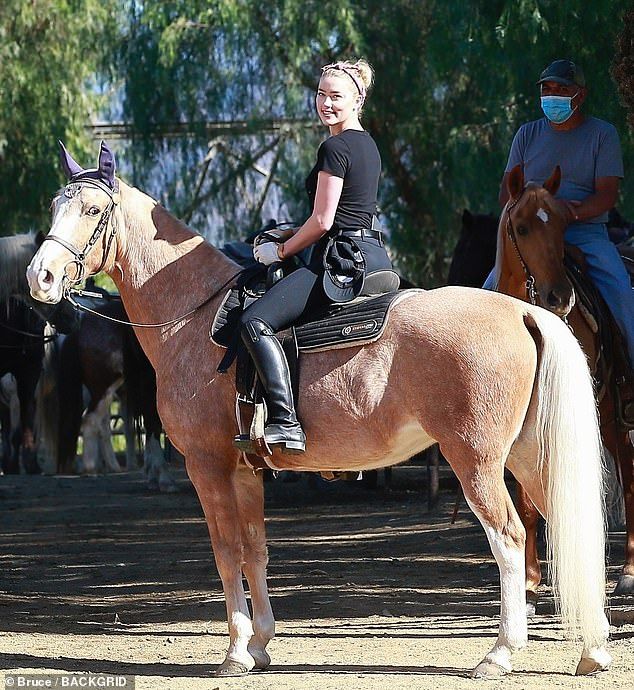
282,428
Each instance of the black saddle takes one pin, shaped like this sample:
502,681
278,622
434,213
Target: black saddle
339,325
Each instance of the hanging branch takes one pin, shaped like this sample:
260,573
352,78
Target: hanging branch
269,180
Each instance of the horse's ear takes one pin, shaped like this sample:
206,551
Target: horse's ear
107,164
467,219
552,183
69,166
515,182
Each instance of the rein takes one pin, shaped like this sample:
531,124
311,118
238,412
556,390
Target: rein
69,291
510,231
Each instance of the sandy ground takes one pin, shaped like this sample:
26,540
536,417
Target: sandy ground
369,590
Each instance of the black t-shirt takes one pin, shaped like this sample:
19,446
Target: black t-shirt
353,156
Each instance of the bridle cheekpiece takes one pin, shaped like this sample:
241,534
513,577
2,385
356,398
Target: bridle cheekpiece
104,228
510,231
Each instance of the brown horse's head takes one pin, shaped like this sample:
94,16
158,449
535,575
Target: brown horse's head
530,260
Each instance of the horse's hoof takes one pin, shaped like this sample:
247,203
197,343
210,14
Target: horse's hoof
487,670
261,658
229,668
588,667
531,604
625,586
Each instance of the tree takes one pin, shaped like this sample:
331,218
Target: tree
453,82
50,52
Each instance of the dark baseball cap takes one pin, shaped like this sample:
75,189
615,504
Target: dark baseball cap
563,72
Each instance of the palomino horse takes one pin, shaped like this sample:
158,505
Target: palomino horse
531,248
490,378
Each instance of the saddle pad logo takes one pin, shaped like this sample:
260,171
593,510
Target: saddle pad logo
359,329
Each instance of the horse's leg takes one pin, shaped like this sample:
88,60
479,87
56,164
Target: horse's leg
249,487
215,483
90,438
155,461
26,384
485,492
129,431
593,658
104,433
530,519
625,585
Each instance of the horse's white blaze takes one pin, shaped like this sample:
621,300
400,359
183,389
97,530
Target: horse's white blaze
513,632
542,215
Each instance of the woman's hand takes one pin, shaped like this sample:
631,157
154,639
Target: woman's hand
266,253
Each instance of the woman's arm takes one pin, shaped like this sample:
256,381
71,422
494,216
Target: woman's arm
323,216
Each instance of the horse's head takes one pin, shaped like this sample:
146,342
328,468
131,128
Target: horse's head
531,244
82,239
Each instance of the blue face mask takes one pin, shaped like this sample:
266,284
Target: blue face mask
557,109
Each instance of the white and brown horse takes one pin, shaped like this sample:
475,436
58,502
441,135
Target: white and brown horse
491,379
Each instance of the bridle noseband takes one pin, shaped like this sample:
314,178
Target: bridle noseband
71,190
531,293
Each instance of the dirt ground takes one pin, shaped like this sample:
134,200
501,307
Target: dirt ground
369,590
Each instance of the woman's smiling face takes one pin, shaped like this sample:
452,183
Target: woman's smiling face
336,100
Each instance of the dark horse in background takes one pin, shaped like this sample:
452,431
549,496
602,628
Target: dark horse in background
104,357
533,241
22,346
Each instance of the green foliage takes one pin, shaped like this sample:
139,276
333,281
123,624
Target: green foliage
49,54
454,80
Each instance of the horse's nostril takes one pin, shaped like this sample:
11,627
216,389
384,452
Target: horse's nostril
553,299
45,279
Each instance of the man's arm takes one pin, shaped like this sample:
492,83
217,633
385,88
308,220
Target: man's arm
604,198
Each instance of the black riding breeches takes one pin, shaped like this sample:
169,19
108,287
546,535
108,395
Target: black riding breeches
302,292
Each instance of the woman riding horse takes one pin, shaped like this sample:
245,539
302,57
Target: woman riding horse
342,188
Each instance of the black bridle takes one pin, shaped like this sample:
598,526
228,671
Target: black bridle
531,293
109,231
79,255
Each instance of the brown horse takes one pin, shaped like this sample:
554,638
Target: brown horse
490,378
530,260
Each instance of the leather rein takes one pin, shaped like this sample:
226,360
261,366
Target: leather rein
109,231
531,293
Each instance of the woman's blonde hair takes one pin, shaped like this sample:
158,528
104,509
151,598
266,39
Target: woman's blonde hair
360,72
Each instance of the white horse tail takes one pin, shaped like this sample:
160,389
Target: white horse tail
571,455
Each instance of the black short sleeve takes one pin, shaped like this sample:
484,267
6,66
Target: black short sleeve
334,157
352,156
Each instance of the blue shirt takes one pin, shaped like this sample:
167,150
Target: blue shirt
584,154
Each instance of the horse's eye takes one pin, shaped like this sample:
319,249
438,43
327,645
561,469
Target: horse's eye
93,211
522,230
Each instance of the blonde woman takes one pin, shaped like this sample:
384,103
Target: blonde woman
342,188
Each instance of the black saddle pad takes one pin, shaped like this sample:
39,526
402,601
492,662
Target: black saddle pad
354,323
